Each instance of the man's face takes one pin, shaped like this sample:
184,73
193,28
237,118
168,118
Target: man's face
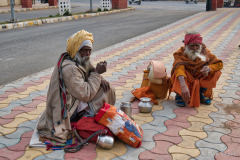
194,46
85,51
193,51
83,57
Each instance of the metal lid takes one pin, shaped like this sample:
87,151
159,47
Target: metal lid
126,104
145,99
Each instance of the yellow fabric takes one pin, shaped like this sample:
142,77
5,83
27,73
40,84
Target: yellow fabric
215,67
180,70
75,41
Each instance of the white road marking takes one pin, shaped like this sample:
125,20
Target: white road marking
9,59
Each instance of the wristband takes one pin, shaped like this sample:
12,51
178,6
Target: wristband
183,85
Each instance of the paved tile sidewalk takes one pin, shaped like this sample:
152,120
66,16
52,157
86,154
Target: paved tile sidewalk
170,132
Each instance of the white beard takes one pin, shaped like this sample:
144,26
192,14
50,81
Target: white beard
85,62
194,54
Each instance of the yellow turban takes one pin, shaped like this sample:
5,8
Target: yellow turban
75,41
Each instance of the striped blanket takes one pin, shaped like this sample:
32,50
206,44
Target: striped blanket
52,145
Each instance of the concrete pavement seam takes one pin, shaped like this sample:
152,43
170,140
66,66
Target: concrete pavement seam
53,20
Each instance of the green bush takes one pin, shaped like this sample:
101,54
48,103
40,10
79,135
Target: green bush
67,13
105,9
50,15
99,9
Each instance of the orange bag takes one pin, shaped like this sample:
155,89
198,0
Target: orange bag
145,92
159,90
120,124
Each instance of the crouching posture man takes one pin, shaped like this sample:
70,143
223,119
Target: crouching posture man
76,89
195,72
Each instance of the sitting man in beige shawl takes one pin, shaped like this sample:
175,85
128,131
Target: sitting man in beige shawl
76,89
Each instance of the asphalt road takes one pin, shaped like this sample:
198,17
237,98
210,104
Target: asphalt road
78,6
25,51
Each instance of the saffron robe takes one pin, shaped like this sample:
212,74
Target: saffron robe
194,79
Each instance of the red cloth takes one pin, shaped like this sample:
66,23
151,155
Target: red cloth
192,38
86,126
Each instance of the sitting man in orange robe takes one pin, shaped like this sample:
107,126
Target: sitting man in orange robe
195,72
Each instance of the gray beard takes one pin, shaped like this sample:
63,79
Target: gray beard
85,62
194,54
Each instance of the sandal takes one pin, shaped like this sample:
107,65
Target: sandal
179,101
204,100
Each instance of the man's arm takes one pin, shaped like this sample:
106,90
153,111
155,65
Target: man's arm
76,85
180,74
184,89
105,84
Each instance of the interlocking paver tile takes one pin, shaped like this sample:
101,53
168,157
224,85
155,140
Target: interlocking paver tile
117,150
197,126
206,144
4,152
188,142
206,154
9,142
210,128
161,147
5,120
32,153
186,132
158,128
150,155
21,131
187,151
5,131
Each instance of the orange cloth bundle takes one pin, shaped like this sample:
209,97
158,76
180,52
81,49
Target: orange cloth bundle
145,92
120,124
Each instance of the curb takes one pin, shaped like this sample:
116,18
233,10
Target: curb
58,19
29,9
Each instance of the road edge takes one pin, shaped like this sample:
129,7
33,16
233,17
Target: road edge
54,20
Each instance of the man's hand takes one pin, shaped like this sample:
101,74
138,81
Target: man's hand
101,67
105,85
205,70
185,93
184,89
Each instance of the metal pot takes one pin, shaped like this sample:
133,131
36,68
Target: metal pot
145,106
105,141
126,107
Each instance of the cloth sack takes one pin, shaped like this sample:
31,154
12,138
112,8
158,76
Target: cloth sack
120,124
157,72
86,126
145,92
159,90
